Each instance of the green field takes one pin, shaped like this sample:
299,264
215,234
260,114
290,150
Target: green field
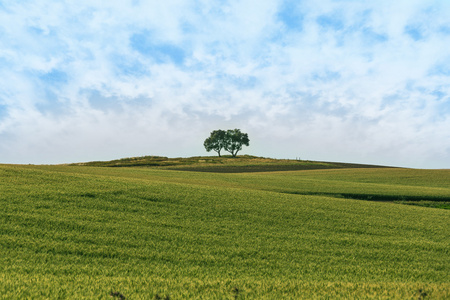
330,232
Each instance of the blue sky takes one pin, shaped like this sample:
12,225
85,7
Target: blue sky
354,81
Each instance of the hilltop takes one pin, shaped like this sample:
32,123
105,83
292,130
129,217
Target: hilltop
224,164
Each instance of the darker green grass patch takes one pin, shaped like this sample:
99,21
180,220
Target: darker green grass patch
280,166
442,202
426,203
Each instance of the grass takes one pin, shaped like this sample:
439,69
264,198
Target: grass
223,164
149,233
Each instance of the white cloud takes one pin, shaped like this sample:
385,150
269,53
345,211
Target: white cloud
326,80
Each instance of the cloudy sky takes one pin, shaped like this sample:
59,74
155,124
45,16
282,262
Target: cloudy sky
344,80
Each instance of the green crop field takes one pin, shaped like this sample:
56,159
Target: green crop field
336,231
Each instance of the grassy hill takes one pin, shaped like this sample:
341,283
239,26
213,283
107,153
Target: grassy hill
224,164
155,233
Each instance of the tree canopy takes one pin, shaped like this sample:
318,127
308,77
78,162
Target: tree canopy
216,141
231,140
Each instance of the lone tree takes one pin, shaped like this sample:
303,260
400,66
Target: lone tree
216,141
234,141
230,140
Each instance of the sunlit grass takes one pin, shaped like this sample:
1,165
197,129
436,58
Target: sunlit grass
78,232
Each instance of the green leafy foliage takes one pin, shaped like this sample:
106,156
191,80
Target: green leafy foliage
231,140
216,141
234,140
96,233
